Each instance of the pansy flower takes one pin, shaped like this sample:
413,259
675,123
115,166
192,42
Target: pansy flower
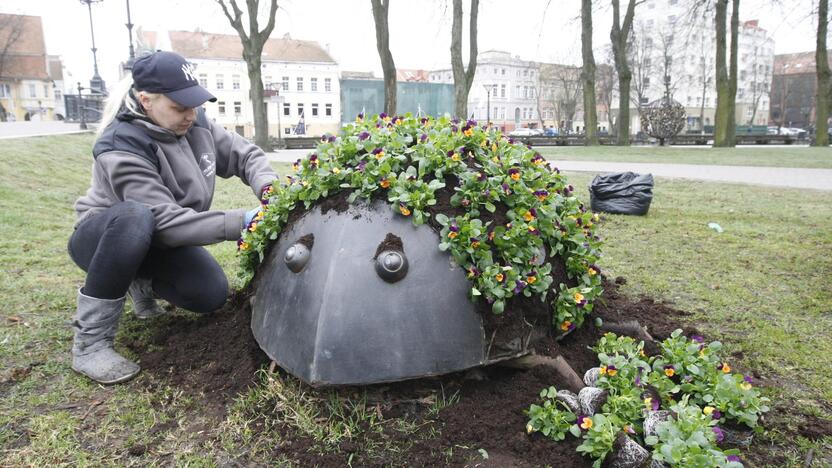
404,210
363,136
506,189
467,131
359,118
384,183
519,286
362,165
533,231
718,433
567,325
481,177
578,297
313,159
491,235
296,165
423,138
473,272
541,195
593,270
669,370
531,278
514,173
499,277
378,153
454,231
475,242
651,404
734,458
384,116
530,215
586,422
398,120
332,138
724,367
423,120
453,155
611,371
717,414
335,170
243,245
537,160
708,410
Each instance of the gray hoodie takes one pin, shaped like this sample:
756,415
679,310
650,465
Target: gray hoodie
174,176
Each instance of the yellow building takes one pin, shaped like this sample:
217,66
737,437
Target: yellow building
27,89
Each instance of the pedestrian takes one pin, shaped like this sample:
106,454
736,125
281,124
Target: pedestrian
142,223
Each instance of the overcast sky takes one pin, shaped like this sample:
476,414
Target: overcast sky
542,30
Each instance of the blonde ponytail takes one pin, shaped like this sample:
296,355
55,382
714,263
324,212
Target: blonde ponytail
119,94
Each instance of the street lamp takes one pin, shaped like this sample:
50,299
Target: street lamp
132,57
81,108
488,103
96,82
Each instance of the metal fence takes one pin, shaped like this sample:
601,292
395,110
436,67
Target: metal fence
367,96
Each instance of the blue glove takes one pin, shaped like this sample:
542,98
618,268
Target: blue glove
249,216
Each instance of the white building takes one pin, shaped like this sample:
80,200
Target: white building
302,73
669,41
514,88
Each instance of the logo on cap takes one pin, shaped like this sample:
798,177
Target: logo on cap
188,70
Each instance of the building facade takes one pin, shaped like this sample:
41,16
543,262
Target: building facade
794,90
505,90
669,41
30,80
300,77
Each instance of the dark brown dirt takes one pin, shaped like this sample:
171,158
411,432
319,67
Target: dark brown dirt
391,242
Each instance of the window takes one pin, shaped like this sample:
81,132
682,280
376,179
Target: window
221,107
57,93
525,73
238,108
314,110
285,83
287,131
5,90
267,82
203,80
300,110
328,84
517,89
648,42
313,85
643,101
46,91
646,82
502,90
220,82
503,72
328,110
235,81
32,91
300,84
495,70
287,109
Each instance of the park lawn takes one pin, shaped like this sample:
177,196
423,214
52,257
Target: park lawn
813,158
761,287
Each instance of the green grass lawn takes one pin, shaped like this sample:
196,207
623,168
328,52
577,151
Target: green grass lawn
746,156
762,287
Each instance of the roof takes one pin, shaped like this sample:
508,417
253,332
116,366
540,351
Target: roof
796,64
202,45
358,75
26,57
411,75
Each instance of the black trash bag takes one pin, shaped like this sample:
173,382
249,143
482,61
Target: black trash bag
621,193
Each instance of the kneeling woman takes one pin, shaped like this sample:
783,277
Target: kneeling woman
147,212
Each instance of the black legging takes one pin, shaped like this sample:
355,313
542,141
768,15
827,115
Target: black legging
114,246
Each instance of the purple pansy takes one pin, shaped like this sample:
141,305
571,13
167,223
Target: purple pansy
718,433
423,138
383,115
519,286
734,458
716,414
362,165
363,136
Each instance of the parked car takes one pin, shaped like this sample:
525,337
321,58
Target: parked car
522,131
551,131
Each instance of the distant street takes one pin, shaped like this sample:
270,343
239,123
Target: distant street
817,179
30,129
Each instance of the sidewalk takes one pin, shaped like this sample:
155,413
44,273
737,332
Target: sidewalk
35,129
817,179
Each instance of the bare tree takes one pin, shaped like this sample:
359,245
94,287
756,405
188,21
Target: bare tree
253,41
620,37
562,90
381,8
726,75
705,78
822,67
462,77
759,85
605,88
641,64
11,27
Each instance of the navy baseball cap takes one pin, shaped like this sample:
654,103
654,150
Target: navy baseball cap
170,74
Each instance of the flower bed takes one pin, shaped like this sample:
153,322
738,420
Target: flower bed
683,402
508,214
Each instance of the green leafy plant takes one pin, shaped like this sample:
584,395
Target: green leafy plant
689,439
406,161
600,433
553,419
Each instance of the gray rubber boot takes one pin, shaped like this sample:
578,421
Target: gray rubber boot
144,299
95,324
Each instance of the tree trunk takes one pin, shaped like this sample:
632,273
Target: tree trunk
380,10
732,78
822,61
253,41
463,78
619,36
723,137
588,74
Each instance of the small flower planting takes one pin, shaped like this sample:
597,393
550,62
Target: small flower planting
681,403
510,213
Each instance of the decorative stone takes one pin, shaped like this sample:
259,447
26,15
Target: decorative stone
626,453
591,400
570,400
591,376
658,464
653,419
